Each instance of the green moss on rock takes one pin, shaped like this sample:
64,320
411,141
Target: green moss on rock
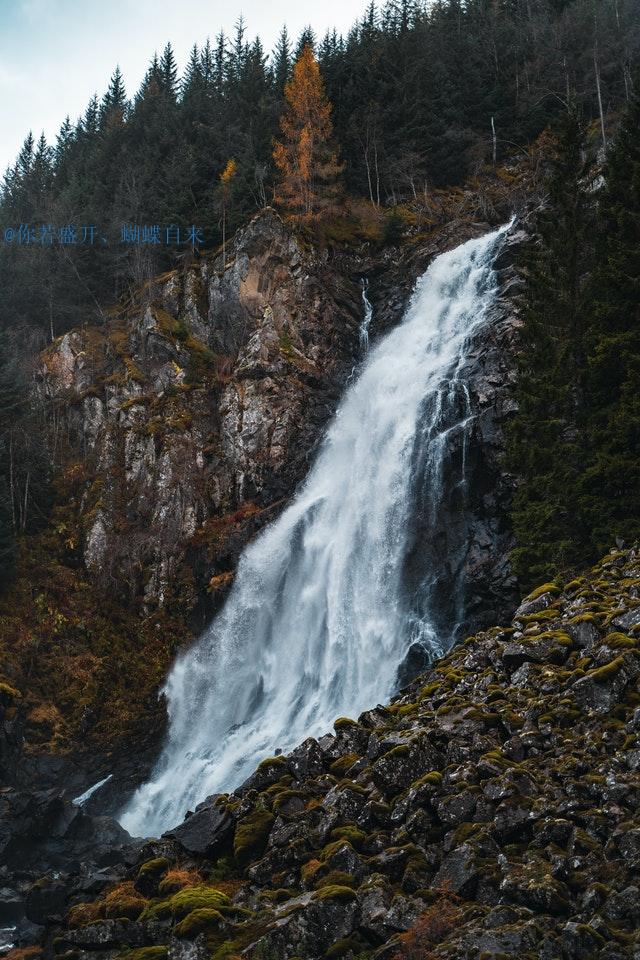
336,892
145,953
197,922
251,836
196,898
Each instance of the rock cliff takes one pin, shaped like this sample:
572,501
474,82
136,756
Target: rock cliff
197,407
490,810
179,428
185,423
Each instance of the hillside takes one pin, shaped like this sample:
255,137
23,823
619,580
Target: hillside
312,365
490,810
181,427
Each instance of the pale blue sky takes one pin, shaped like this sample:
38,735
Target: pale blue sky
54,54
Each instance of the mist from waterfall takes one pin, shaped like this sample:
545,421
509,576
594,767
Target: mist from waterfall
317,623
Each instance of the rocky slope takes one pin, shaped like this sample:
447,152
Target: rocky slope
179,429
491,810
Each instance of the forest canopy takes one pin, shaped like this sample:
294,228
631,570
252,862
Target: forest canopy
421,95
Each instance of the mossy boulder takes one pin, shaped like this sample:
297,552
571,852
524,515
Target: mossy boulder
198,921
124,902
251,836
602,687
336,892
344,723
150,874
196,898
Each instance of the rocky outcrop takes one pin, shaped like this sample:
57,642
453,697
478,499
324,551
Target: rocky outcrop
50,850
196,409
465,556
185,423
490,810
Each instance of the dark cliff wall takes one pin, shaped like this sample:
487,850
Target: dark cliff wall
196,409
186,424
468,551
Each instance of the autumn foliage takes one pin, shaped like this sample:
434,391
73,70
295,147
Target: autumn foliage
305,157
431,928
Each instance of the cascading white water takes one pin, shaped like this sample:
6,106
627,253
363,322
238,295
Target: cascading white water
317,623
367,316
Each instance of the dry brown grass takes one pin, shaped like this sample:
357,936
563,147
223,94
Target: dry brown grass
431,928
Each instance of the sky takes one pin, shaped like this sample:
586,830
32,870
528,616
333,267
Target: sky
55,54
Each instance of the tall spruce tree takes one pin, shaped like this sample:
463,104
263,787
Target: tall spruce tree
545,447
610,491
8,545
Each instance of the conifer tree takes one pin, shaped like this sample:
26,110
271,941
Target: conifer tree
169,71
610,491
8,546
306,39
114,102
282,61
306,158
545,442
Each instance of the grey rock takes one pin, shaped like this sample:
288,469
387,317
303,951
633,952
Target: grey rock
534,606
623,906
197,949
627,620
208,827
311,931
458,871
600,692
584,633
580,941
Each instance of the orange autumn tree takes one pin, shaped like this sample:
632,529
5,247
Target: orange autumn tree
226,178
306,157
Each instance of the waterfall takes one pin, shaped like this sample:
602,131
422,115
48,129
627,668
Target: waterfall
367,315
317,623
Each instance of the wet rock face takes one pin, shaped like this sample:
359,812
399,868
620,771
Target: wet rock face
459,556
490,810
197,410
50,852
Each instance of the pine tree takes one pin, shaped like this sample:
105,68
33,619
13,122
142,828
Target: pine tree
151,82
25,157
114,102
219,64
545,447
8,545
306,39
169,72
90,120
193,80
282,61
63,142
610,491
306,158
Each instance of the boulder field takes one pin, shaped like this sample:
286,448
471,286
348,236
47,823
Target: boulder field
489,811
